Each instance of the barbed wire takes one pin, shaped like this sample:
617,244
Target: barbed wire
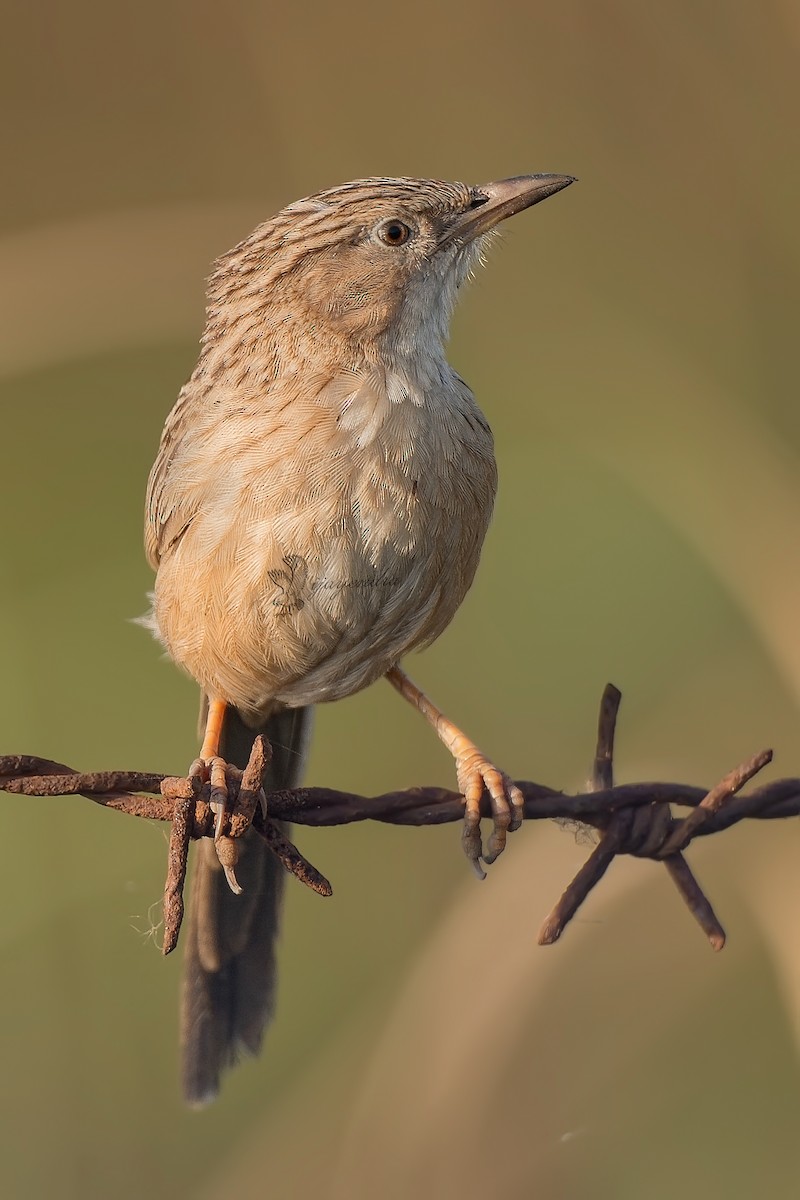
634,819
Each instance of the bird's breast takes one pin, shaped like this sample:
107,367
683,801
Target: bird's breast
338,539
391,570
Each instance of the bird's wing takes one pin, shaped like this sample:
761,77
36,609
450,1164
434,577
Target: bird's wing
168,510
216,434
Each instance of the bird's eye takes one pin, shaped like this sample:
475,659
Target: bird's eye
394,233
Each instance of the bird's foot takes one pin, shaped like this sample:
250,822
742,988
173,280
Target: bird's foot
475,772
214,772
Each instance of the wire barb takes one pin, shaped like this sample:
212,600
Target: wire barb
634,819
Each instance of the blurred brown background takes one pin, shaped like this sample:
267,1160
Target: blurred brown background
634,345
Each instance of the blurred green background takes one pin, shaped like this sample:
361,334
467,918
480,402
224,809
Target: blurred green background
633,343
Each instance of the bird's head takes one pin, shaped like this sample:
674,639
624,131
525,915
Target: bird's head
368,261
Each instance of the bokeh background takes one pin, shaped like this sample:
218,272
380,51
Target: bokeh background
634,343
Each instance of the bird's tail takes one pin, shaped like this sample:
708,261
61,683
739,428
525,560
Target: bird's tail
229,970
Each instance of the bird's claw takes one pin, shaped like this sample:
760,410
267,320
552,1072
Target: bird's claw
228,854
474,773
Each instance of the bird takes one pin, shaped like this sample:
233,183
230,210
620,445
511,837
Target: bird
316,511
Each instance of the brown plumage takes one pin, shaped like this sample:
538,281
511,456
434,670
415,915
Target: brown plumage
318,505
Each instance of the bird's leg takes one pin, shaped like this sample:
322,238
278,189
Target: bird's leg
474,770
209,766
213,730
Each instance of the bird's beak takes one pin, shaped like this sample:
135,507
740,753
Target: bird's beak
493,202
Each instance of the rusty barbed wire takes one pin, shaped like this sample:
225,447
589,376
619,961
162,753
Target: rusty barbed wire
634,819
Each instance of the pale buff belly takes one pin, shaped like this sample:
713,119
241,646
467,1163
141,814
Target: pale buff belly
301,610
